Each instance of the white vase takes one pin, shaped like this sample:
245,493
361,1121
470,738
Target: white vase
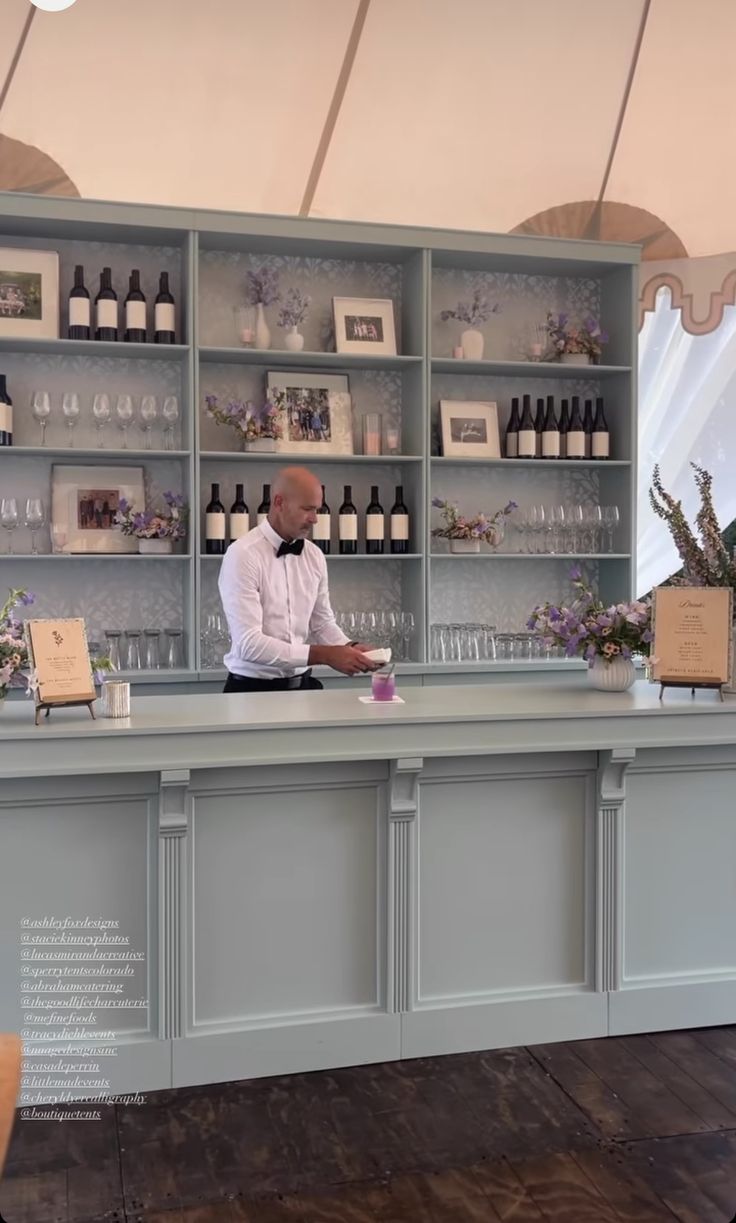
262,331
294,340
614,676
465,545
260,445
472,344
574,358
154,547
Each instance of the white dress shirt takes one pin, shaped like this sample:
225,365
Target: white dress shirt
276,606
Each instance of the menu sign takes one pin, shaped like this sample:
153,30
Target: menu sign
61,660
692,634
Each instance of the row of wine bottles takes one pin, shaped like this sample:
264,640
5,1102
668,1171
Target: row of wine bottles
547,435
6,414
217,535
107,311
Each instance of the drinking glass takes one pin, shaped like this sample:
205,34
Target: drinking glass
174,648
593,517
9,519
101,412
383,686
148,414
151,652
134,649
576,519
41,410
536,521
556,523
170,413
34,519
70,411
611,520
393,439
124,414
371,433
112,637
407,632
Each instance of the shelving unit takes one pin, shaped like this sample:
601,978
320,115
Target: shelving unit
422,271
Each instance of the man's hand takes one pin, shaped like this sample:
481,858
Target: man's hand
349,659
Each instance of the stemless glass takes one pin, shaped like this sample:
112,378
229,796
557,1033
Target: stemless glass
124,414
148,414
151,652
134,649
170,413
174,649
70,410
41,410
34,519
112,637
9,519
611,520
102,413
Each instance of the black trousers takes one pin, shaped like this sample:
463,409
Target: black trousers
242,683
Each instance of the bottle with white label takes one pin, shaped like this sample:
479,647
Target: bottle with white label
79,308
239,516
347,525
164,313
375,525
551,432
6,414
527,432
588,428
214,530
564,427
136,327
322,528
600,439
106,309
576,433
539,427
264,508
399,527
512,432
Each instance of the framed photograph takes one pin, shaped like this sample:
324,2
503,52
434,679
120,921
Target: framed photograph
469,429
315,412
83,505
365,325
29,293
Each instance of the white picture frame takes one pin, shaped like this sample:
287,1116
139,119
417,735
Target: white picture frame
301,396
469,429
29,293
365,325
78,527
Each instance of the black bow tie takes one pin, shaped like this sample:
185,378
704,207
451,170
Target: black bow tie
296,548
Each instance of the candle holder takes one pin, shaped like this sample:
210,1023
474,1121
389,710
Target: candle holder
371,433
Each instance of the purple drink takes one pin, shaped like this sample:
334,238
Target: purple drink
383,687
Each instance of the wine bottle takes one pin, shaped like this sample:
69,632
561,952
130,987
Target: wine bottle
588,427
564,427
600,438
215,524
538,428
375,524
527,433
347,527
322,528
239,516
576,433
79,308
6,414
551,434
265,507
106,309
136,327
512,432
164,316
399,523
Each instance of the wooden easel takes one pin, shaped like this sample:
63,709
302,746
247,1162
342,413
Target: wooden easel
692,684
47,706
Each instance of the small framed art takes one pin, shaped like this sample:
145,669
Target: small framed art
469,429
315,412
84,501
29,293
365,325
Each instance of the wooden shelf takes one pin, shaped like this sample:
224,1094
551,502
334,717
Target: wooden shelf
542,464
527,369
530,556
383,460
98,452
94,348
280,358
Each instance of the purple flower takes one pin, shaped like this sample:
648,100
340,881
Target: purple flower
27,598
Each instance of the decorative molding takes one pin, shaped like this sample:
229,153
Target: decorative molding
609,867
402,870
173,824
711,305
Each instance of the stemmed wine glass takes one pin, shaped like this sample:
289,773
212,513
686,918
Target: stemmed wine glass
148,414
124,413
70,411
101,412
41,409
9,519
35,517
611,520
170,413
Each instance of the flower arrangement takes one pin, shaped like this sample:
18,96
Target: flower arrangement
474,312
705,563
480,527
262,286
566,337
13,651
166,523
588,629
295,308
252,423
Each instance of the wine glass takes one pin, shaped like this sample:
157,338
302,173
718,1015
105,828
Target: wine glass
124,413
102,413
34,519
594,521
70,411
9,519
41,410
170,413
148,414
611,520
407,632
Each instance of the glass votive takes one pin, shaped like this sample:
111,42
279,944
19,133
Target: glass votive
383,686
392,438
115,699
371,433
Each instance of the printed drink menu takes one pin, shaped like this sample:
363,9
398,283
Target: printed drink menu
692,634
61,660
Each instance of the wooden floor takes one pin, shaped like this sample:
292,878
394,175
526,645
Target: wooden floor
639,1128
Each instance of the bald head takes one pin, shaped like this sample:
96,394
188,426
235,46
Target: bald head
295,499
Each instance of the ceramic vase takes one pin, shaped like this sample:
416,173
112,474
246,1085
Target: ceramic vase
574,358
294,340
614,676
262,329
472,343
154,547
465,545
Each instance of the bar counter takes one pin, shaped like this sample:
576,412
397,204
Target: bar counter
318,882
